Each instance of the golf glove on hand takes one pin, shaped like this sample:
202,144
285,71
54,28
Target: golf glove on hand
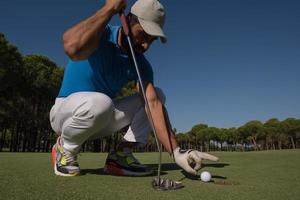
190,160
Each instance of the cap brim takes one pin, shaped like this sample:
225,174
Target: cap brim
153,29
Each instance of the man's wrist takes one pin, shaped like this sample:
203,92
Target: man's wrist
175,152
109,10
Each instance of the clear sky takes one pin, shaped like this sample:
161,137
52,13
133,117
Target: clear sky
225,63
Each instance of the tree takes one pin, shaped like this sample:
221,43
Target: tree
233,137
252,131
43,81
273,133
196,135
11,79
291,127
210,135
204,134
182,140
127,90
222,136
28,87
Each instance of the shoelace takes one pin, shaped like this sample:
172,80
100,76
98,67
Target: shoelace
70,158
132,157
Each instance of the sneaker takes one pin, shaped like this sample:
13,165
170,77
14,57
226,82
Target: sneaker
65,163
121,164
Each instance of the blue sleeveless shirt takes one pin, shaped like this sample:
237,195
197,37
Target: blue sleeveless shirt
106,70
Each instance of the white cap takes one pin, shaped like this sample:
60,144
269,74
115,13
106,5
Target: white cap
151,16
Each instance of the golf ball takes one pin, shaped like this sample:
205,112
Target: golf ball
205,176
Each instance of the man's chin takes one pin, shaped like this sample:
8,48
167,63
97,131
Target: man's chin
139,51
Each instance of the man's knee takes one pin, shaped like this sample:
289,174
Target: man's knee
160,95
95,111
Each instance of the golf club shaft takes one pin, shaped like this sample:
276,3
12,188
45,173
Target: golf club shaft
149,115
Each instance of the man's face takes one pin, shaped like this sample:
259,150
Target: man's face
141,40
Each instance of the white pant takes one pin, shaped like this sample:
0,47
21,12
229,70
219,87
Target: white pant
90,115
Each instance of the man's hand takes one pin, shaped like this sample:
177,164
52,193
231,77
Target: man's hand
116,5
190,160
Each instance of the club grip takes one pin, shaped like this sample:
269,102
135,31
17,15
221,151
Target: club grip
124,22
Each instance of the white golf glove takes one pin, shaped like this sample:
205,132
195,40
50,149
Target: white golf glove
190,160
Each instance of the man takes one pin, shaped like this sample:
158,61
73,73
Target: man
100,66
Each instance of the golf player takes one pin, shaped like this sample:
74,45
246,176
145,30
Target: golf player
100,65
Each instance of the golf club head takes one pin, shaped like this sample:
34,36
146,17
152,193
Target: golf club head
167,184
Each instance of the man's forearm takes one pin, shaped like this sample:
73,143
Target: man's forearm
83,39
162,126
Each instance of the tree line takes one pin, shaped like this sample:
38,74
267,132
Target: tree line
28,88
253,135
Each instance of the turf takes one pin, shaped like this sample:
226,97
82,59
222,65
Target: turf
256,175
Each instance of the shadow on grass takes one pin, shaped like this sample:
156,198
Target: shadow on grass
219,177
215,165
100,171
197,177
164,168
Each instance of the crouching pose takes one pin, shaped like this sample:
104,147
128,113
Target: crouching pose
100,65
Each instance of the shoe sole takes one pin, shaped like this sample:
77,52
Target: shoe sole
114,169
58,173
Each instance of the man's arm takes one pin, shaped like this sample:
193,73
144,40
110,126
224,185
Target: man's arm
160,119
190,160
81,40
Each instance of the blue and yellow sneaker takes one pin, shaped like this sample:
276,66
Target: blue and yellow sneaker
121,164
64,163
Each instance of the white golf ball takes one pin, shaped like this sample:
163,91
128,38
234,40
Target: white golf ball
205,176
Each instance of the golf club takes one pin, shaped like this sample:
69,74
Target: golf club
157,183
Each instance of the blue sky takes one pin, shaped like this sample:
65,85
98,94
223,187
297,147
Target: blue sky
225,63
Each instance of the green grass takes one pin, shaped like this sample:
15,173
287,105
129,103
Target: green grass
260,175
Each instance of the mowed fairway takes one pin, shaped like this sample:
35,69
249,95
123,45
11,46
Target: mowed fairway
254,175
